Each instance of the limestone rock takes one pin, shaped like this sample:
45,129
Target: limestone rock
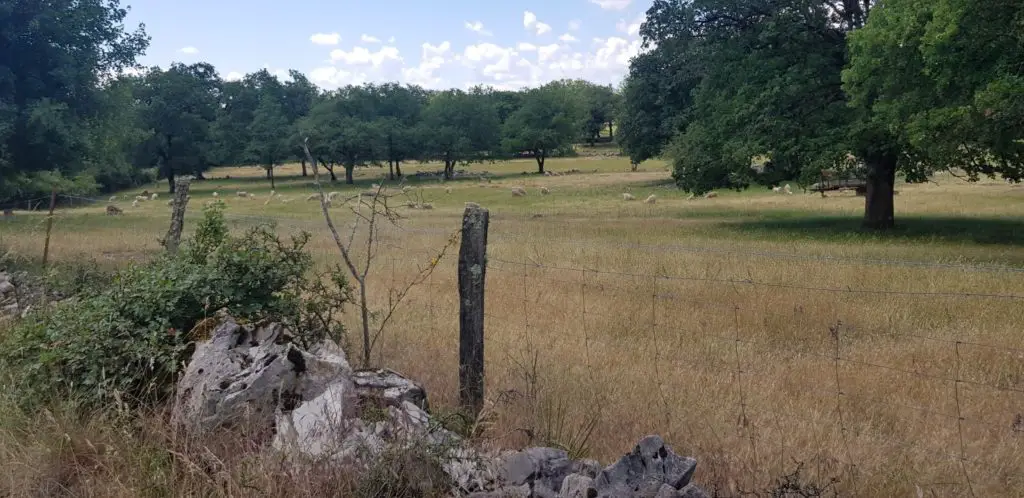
249,373
650,465
578,486
394,388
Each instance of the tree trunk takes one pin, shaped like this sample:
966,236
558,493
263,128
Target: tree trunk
878,202
540,161
330,169
304,174
611,134
270,174
170,180
348,174
449,168
391,170
199,175
398,169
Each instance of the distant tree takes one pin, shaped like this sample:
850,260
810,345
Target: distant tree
55,56
655,98
269,134
300,95
179,105
341,131
116,136
599,104
230,129
549,120
460,127
398,109
506,103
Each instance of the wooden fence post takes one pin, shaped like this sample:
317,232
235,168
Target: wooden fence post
173,238
49,227
472,273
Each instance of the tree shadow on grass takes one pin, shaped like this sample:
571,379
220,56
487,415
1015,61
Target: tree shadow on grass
916,229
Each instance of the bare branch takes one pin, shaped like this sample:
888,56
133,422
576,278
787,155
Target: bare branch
327,214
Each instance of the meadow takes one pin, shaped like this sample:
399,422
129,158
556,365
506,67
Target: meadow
762,333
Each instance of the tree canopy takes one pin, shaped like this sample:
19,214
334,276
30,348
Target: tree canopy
548,119
55,72
908,86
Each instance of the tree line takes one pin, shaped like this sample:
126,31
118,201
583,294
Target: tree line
812,88
78,114
730,93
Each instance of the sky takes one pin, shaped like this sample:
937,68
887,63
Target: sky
506,44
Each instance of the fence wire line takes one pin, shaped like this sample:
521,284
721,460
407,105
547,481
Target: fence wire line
763,284
861,423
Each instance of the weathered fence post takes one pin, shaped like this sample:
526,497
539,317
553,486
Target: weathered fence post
472,272
177,214
49,227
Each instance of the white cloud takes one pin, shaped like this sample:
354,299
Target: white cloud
436,50
391,40
529,19
234,76
432,59
330,76
484,51
325,38
478,27
369,39
612,4
603,59
630,28
531,23
546,52
190,50
363,56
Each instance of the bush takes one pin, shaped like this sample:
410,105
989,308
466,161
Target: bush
129,341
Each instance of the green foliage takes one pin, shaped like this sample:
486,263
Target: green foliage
943,80
53,111
178,104
211,232
460,127
127,342
549,119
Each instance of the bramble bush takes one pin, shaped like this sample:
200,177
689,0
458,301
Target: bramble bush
129,341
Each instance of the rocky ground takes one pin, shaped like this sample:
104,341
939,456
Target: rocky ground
320,408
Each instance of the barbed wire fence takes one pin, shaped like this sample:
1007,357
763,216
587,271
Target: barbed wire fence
692,351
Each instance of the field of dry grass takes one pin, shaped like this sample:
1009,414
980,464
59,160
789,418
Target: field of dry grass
757,332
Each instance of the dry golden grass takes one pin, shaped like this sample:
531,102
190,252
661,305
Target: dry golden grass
753,330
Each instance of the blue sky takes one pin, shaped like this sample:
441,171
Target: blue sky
437,44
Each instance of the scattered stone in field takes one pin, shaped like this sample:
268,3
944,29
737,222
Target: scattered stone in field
114,210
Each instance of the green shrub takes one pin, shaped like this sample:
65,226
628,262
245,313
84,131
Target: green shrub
127,342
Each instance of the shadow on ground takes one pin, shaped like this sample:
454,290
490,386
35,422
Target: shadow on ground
991,231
